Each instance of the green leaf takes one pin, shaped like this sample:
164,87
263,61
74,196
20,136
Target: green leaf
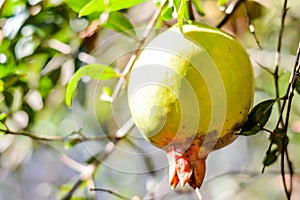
2,116
3,128
93,6
175,3
11,80
1,86
180,14
7,9
271,157
76,5
118,22
2,125
279,138
94,71
258,117
167,12
113,5
186,12
198,7
45,86
106,94
222,2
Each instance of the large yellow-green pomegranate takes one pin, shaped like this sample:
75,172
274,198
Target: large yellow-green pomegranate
189,93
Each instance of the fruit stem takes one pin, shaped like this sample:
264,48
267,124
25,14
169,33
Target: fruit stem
198,194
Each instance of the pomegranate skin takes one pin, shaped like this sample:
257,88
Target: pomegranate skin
189,94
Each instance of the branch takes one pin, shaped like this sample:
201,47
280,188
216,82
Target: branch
73,140
277,56
74,188
110,192
281,124
250,173
229,11
251,27
138,50
291,88
110,146
88,171
292,85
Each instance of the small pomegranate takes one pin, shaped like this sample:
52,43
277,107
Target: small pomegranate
189,93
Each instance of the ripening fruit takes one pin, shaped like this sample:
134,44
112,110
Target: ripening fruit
189,93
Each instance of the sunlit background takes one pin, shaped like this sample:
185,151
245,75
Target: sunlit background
42,44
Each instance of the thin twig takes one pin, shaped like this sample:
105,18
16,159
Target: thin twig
229,11
138,50
251,27
250,173
277,57
282,169
32,136
291,170
292,85
267,130
109,148
77,139
148,160
110,192
288,100
290,92
281,107
263,67
290,88
251,176
69,195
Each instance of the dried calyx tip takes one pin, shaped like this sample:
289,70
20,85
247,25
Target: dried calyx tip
188,167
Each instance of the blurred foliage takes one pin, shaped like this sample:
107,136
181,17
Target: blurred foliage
44,43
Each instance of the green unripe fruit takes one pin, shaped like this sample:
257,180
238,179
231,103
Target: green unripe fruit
189,93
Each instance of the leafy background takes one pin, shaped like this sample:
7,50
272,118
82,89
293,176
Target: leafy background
43,43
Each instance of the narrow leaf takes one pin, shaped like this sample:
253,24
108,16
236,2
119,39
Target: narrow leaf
252,131
106,94
222,2
279,138
258,117
2,116
271,157
186,12
113,5
91,7
1,86
76,5
118,22
180,14
167,12
94,71
3,128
